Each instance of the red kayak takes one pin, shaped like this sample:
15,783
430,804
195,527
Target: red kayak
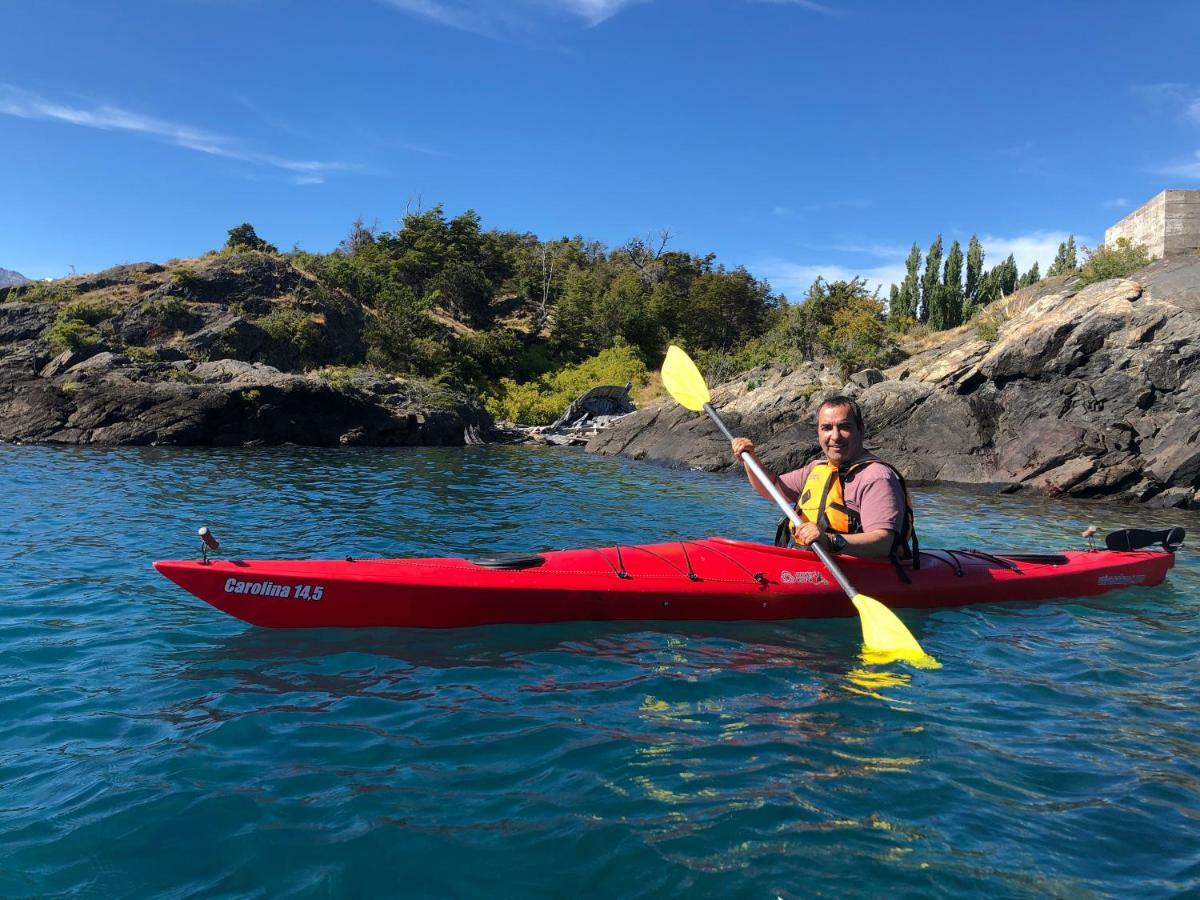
714,578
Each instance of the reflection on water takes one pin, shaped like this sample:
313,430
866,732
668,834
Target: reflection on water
150,745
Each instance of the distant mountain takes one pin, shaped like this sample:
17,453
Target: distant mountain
9,278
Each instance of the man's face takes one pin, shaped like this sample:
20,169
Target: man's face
838,434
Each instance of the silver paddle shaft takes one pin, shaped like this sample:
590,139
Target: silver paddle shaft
783,504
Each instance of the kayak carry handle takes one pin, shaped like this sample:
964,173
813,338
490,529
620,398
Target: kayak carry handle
1089,534
207,542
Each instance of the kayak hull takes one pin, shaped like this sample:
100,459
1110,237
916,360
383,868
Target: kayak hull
712,579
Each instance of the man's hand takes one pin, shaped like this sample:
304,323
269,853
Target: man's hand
742,445
809,532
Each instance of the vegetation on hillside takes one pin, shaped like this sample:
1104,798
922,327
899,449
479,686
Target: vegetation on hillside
529,324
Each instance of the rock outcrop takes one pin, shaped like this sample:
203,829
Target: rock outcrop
200,355
1085,391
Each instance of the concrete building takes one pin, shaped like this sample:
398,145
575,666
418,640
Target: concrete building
1168,223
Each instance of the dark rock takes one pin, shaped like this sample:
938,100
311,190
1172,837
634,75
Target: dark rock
241,312
24,321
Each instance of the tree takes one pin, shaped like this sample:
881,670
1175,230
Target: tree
243,237
974,275
931,280
462,290
951,294
910,291
894,302
1031,277
724,308
1065,263
359,238
1006,276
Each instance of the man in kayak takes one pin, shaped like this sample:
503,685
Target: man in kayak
852,501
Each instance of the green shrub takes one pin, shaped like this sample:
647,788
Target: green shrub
542,401
167,312
183,279
141,354
858,337
180,374
243,237
1117,261
42,292
987,331
72,334
340,378
74,326
291,327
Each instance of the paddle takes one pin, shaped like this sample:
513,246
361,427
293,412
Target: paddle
883,634
1171,539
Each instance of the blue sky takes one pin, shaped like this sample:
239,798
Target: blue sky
794,137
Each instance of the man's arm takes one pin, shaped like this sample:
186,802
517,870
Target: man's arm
745,447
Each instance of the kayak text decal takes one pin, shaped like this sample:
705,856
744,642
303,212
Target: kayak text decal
1121,579
271,589
802,578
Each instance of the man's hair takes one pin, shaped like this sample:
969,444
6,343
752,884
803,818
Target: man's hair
849,403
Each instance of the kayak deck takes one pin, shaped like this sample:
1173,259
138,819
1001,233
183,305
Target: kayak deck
705,579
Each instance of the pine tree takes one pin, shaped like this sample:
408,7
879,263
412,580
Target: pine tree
931,281
1065,263
893,301
989,290
1006,276
910,288
952,291
1031,277
974,273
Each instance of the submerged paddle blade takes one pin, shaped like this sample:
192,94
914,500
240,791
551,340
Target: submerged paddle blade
683,380
884,636
1171,539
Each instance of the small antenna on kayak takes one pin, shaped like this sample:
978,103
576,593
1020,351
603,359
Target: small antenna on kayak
207,542
1090,534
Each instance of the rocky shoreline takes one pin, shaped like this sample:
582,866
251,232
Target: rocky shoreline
1086,391
201,356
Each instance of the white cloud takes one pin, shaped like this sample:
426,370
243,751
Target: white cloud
1189,169
1179,99
807,4
1116,203
498,18
24,104
794,279
1036,246
495,18
592,11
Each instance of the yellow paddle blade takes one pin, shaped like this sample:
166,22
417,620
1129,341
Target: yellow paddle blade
683,380
884,636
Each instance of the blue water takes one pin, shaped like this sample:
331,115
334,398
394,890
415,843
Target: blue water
149,745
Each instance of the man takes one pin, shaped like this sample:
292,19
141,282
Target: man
852,502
